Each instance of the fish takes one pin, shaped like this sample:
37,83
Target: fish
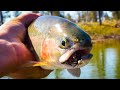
56,43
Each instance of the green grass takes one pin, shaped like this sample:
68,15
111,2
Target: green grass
107,29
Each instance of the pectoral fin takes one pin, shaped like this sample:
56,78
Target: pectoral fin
34,63
41,64
75,72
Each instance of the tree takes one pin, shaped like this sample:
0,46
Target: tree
69,17
116,15
92,16
1,18
83,15
100,14
87,13
79,16
56,13
95,16
35,11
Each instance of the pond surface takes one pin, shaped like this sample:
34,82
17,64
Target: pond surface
105,63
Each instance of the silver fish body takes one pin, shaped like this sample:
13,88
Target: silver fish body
60,43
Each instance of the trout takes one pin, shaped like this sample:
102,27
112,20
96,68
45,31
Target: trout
56,43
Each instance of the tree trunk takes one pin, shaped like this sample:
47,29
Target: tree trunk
79,17
55,13
35,11
100,16
86,16
118,14
95,16
1,18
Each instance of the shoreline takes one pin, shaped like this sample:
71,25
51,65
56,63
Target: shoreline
104,38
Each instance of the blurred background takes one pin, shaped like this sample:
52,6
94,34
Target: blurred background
75,16
104,30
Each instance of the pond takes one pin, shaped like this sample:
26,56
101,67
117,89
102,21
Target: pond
105,63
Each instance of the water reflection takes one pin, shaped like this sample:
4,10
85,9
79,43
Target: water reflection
105,63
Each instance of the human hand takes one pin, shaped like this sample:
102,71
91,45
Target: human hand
13,52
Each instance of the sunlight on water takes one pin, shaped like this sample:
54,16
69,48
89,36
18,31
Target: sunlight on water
110,62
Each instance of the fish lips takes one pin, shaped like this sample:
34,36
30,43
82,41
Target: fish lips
76,58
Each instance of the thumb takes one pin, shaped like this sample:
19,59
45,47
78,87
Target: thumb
26,19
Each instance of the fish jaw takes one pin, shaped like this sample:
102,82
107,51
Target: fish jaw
75,58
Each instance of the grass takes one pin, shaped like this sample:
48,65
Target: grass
97,32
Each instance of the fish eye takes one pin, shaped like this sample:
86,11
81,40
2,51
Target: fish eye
64,44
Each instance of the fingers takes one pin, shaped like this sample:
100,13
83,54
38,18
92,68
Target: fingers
17,27
26,19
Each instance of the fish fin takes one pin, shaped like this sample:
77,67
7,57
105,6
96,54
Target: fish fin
29,64
75,72
41,64
34,63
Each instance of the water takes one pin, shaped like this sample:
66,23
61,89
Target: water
105,63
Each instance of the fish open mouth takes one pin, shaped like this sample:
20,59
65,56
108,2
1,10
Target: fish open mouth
78,57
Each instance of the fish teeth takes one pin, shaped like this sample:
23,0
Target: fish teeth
80,61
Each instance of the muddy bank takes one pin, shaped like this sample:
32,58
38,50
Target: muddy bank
104,38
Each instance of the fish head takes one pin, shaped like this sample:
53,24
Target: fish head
62,44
